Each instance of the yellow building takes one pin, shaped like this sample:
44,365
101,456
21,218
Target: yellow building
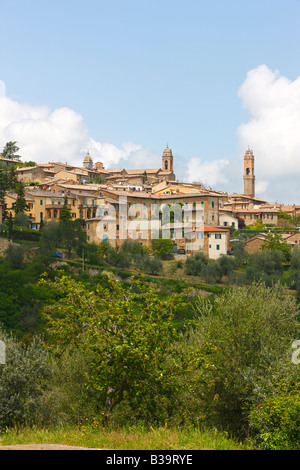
44,205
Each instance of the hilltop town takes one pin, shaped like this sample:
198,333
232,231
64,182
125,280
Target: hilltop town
116,204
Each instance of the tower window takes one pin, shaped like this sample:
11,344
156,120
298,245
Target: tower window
166,164
247,171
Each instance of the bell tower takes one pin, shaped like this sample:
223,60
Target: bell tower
249,178
167,160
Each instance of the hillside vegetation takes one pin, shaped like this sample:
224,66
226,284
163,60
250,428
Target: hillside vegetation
131,346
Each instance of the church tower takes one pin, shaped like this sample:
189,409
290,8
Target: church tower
167,160
249,178
88,162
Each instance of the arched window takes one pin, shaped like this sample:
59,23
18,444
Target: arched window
166,164
247,171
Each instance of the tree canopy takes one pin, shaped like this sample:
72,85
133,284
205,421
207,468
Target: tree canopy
10,151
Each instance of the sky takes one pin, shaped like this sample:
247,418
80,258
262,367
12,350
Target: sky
123,79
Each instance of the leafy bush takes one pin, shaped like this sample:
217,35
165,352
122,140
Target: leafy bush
163,248
15,256
294,277
265,266
195,263
152,265
239,339
276,423
212,272
22,380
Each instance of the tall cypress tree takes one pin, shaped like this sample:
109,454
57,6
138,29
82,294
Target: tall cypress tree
20,205
65,214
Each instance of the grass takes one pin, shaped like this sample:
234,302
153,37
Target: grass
135,438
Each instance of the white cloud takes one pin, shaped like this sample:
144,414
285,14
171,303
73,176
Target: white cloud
130,155
273,130
209,173
61,135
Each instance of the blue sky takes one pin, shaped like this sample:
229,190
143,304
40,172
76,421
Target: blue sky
126,78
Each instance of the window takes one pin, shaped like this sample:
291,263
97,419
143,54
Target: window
194,205
218,247
213,204
41,202
217,236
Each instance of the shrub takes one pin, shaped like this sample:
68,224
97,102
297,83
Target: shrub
242,336
22,380
163,248
212,272
276,423
265,266
151,265
195,263
15,256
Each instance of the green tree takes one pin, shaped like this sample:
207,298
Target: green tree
266,265
294,275
22,382
212,272
227,265
22,220
15,256
12,178
9,151
275,423
274,242
128,331
70,235
41,222
163,248
65,214
239,252
10,226
245,337
150,264
195,263
3,189
20,205
48,242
